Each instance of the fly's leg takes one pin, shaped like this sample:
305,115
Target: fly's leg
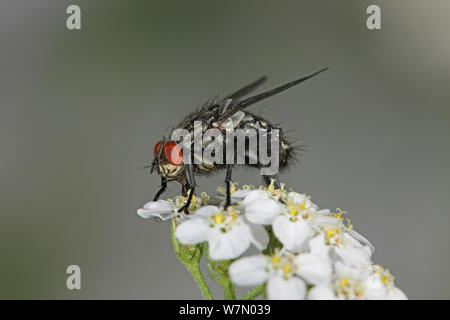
184,190
184,184
163,188
268,180
185,208
228,185
159,193
192,185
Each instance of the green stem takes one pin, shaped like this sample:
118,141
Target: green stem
189,256
274,243
228,288
218,270
194,270
265,293
253,293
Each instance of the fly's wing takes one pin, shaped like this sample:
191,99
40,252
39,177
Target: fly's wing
233,106
247,89
226,102
233,121
211,111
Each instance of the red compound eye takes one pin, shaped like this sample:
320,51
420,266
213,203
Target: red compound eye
173,153
155,148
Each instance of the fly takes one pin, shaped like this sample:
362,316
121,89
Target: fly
229,111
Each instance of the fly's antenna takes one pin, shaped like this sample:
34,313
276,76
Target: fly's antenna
240,105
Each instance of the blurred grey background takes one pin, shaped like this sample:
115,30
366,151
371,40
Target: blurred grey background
80,112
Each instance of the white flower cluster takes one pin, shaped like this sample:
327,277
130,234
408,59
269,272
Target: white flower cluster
313,253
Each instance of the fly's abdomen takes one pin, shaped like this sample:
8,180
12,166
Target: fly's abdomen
265,132
254,143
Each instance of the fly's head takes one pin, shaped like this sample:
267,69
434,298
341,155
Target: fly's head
168,159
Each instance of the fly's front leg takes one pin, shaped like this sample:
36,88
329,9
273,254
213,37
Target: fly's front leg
228,186
192,185
277,181
268,180
163,188
184,189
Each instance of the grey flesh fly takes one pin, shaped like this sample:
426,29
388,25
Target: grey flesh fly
168,157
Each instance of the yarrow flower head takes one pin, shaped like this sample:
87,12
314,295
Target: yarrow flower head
286,274
292,216
304,252
225,231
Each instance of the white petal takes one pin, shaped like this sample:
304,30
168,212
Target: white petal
239,195
262,211
258,236
296,197
192,231
343,270
313,269
318,247
279,288
163,216
249,271
324,212
291,234
321,292
205,211
396,294
157,205
375,289
160,209
228,245
352,256
323,220
253,195
359,237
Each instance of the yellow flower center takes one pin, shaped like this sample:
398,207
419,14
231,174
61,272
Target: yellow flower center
218,218
330,233
287,269
338,215
302,206
293,210
275,259
193,204
344,282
